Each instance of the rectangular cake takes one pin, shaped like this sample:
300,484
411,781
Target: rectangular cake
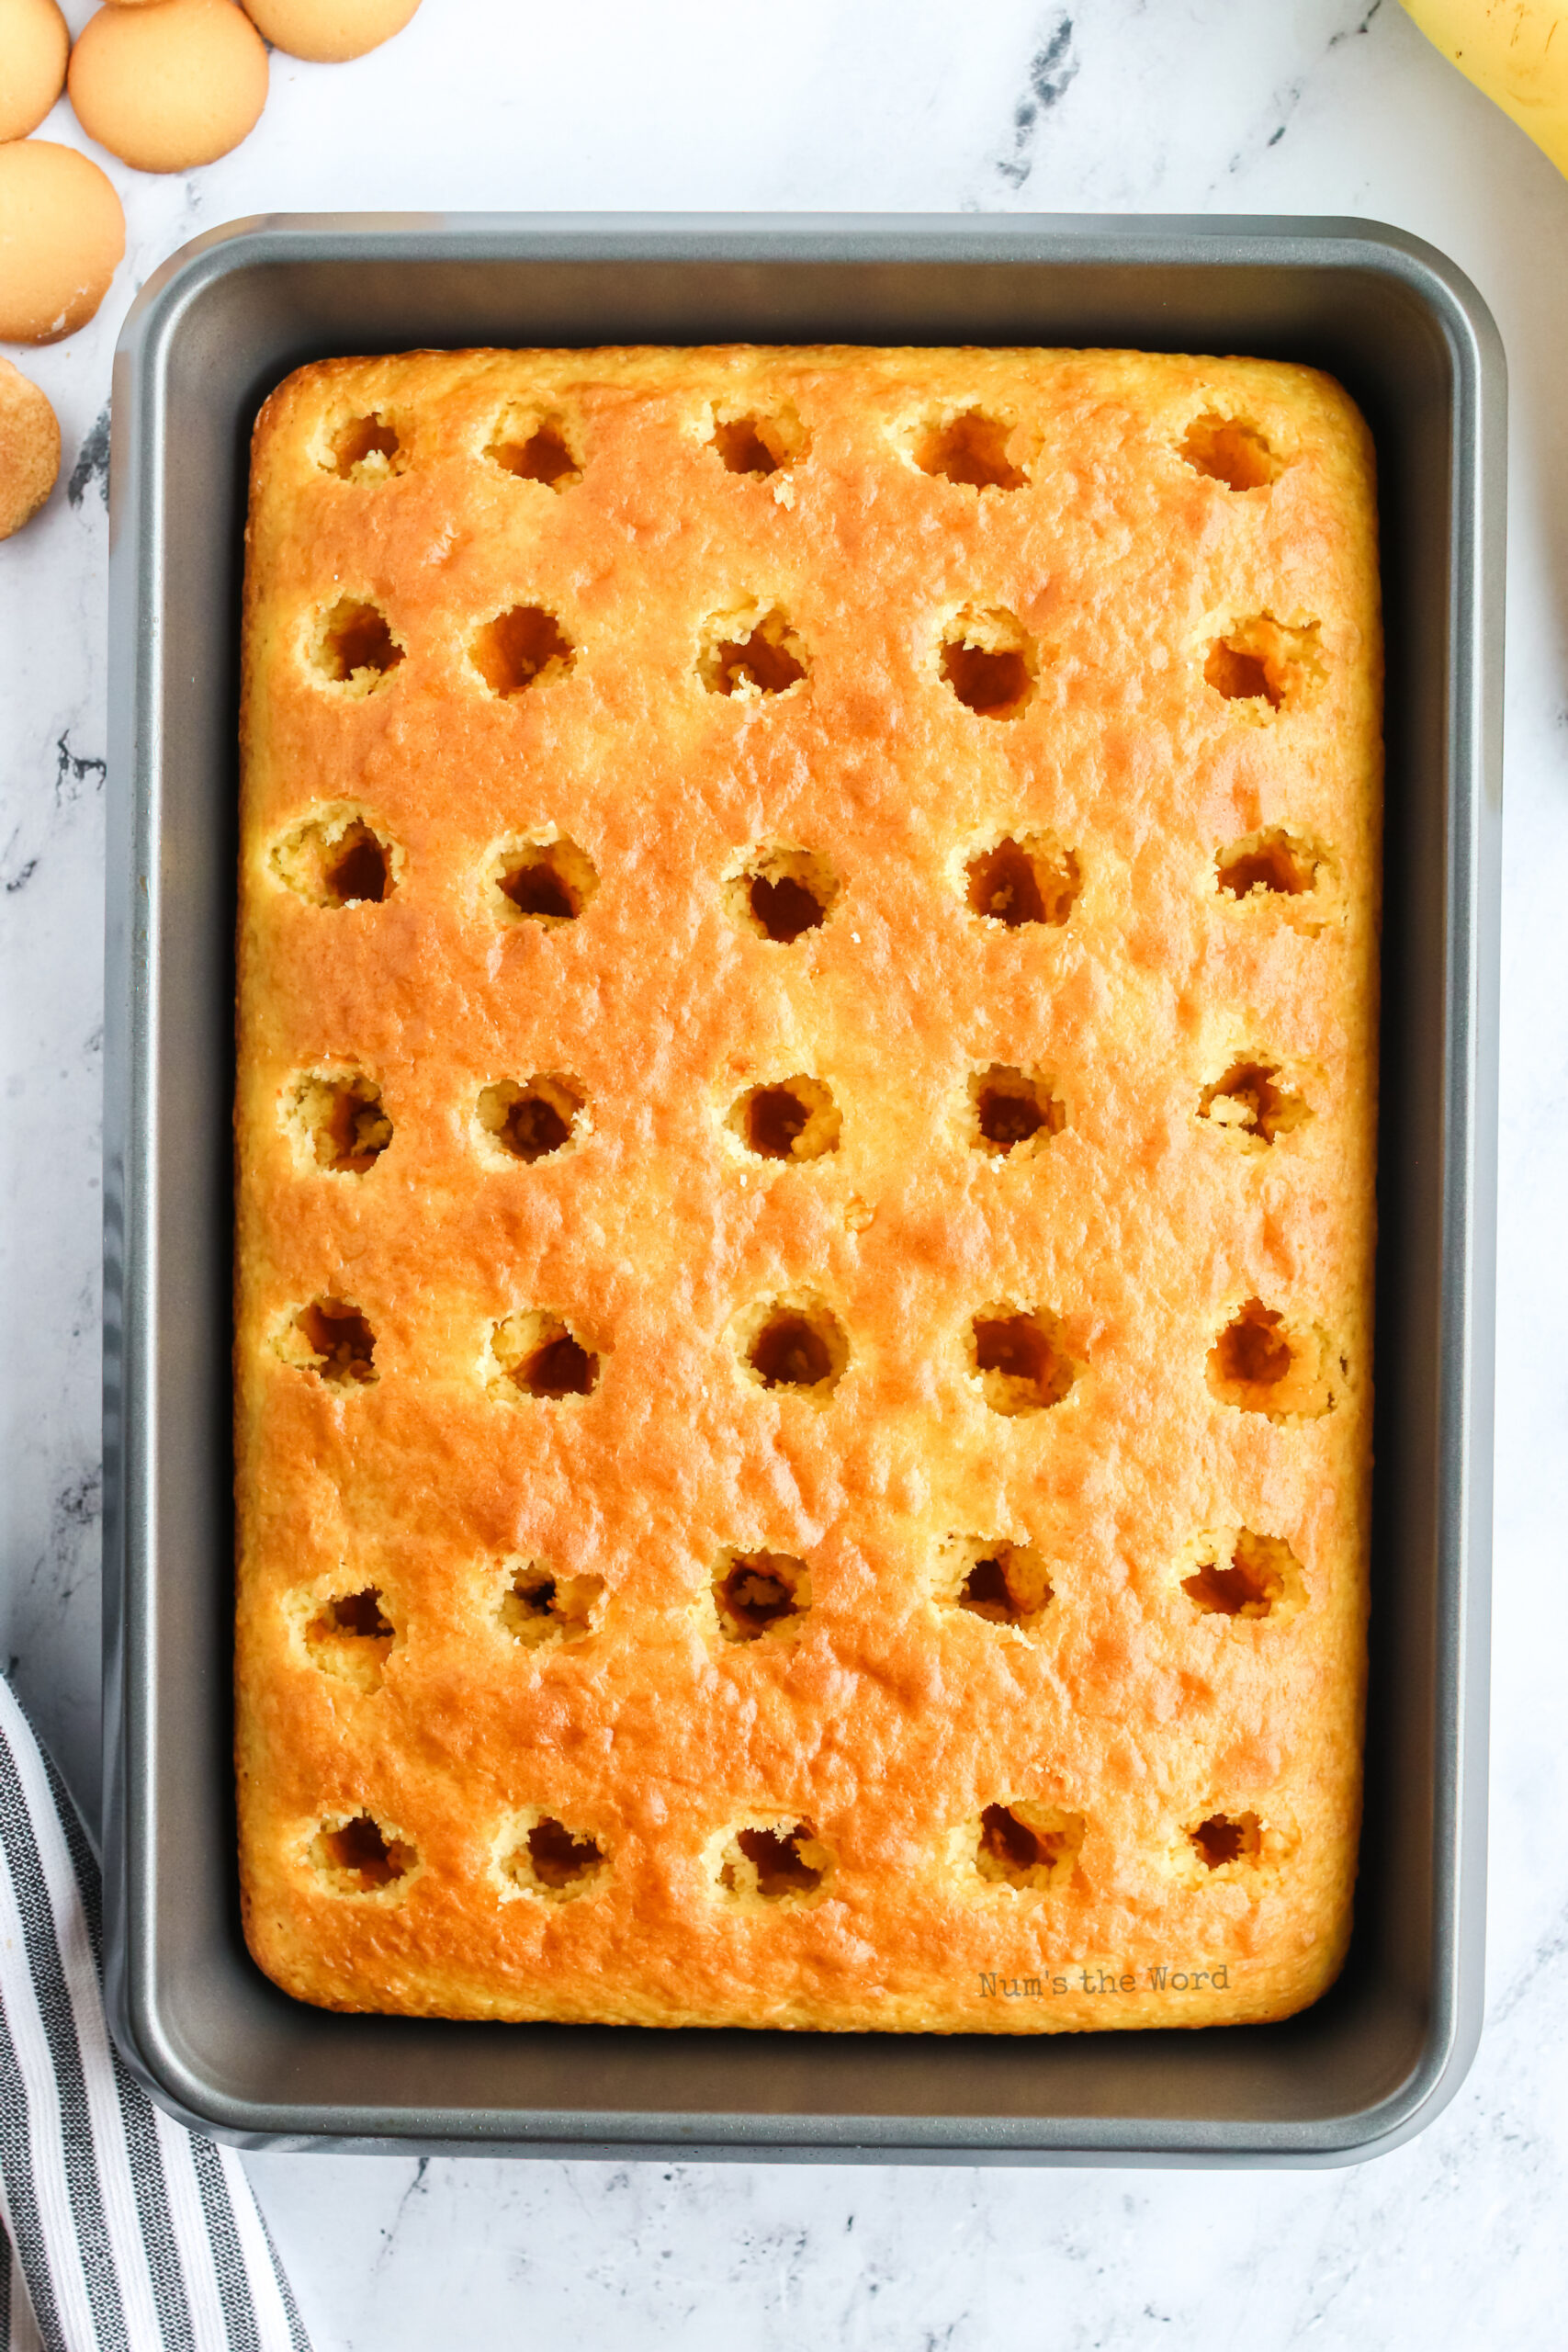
807,1089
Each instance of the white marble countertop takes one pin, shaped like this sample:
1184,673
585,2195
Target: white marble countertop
1279,106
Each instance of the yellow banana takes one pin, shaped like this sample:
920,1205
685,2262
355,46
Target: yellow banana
1516,50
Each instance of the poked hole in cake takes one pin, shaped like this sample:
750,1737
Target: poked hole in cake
1261,1362
363,443
1263,667
999,1582
351,648
760,1595
776,1863
539,1357
347,1627
1243,1576
522,648
336,1121
1012,1113
1017,878
792,1344
536,444
989,661
544,877
543,1855
1235,451
781,892
967,444
331,1340
790,1120
524,1121
1026,1845
758,438
1018,1357
359,1854
337,857
751,653
540,1607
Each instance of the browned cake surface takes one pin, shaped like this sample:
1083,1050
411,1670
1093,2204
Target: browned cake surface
814,1479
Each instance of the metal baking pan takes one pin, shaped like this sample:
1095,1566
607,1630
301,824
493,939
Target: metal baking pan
206,341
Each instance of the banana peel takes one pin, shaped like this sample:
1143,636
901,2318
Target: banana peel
1516,51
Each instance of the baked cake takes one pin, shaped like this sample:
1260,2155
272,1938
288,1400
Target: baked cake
807,1002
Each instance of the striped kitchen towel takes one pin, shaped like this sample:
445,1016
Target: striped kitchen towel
121,2229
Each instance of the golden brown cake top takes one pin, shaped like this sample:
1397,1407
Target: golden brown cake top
807,995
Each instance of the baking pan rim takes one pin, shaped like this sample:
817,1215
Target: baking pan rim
138,685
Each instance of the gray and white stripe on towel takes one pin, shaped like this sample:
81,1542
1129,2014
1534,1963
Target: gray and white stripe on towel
123,2231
